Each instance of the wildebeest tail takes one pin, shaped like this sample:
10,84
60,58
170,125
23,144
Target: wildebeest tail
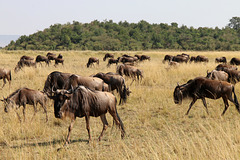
235,100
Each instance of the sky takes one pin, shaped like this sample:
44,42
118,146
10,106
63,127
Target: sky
25,17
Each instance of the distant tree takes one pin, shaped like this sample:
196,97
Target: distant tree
234,23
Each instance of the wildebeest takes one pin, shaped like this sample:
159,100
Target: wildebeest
58,60
84,102
221,60
127,59
115,82
167,58
24,96
173,64
111,61
26,58
235,61
22,63
217,75
129,71
143,57
40,59
222,67
180,59
201,88
93,83
51,54
108,55
233,75
55,80
192,59
201,58
5,74
92,60
60,56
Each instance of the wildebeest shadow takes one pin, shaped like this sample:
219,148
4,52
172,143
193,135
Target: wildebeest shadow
41,144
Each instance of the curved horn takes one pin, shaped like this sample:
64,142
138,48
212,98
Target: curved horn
178,84
53,90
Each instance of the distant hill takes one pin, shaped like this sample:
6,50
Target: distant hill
121,36
6,39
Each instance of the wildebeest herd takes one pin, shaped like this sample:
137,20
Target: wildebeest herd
75,95
218,83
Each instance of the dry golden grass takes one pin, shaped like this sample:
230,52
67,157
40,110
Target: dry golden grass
156,127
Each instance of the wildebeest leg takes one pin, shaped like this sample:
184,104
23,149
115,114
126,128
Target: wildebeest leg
191,104
226,105
35,110
18,116
205,104
105,125
134,79
69,131
24,107
45,110
4,82
87,118
118,121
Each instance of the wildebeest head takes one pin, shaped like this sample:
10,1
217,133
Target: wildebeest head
8,103
178,95
60,97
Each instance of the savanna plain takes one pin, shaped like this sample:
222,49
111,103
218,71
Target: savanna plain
156,128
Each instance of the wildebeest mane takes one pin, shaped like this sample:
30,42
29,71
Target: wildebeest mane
14,93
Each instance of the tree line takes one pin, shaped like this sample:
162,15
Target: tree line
108,35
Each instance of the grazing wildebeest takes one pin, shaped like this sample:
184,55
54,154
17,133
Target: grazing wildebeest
26,58
40,59
127,59
93,83
201,88
22,63
173,64
5,74
108,55
51,54
180,59
167,58
24,96
145,57
233,75
84,102
130,71
201,58
221,60
55,80
217,75
235,61
115,82
92,60
111,61
192,59
222,67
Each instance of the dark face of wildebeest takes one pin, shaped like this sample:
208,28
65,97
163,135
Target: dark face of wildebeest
178,95
60,100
